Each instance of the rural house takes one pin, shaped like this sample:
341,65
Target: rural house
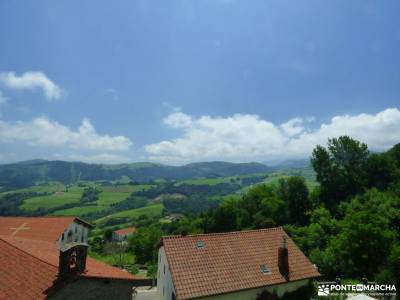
122,234
248,265
46,257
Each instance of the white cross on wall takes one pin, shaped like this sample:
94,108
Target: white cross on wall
17,229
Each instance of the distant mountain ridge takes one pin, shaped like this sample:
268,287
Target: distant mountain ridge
27,173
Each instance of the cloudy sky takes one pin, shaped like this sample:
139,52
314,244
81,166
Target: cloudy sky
195,80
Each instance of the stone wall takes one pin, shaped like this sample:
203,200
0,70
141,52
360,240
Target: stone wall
90,288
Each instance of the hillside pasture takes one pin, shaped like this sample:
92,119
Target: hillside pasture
79,210
54,200
150,211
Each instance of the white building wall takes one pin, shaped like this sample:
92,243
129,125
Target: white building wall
165,286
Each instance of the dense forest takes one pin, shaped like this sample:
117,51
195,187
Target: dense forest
348,226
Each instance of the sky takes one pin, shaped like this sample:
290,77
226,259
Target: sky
195,80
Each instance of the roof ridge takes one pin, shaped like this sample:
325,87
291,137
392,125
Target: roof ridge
40,217
225,233
30,254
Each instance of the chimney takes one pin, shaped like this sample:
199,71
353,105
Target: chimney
283,259
72,261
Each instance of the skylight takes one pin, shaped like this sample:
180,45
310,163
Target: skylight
200,244
264,269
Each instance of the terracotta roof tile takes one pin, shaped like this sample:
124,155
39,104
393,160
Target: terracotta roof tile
125,231
230,262
42,228
23,276
29,262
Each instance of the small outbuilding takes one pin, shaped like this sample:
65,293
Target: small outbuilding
122,234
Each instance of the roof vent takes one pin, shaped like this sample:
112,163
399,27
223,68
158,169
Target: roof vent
264,269
200,244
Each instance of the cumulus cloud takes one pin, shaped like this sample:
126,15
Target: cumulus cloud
244,137
31,81
44,132
178,120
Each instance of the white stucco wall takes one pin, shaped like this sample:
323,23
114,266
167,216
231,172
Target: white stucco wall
78,235
165,287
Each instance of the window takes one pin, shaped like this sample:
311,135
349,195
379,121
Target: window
264,269
200,244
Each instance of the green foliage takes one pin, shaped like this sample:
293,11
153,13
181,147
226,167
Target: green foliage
25,174
127,215
143,243
294,192
364,241
189,205
108,234
90,195
341,169
10,203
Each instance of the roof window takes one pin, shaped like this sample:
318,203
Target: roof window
200,244
264,269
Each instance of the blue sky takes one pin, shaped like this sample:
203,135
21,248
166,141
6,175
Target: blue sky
195,80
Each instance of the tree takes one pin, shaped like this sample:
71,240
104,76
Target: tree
117,252
108,234
381,170
143,243
294,192
364,242
340,169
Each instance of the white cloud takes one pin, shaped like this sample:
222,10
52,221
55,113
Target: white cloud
248,137
44,132
3,99
178,120
102,158
31,81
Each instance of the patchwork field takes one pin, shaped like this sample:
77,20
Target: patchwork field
56,199
154,210
79,210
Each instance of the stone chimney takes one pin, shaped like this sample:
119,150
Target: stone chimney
283,259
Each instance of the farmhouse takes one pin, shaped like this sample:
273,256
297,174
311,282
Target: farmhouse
248,265
122,234
46,257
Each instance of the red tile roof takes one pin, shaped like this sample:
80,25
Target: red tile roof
231,262
43,228
125,231
23,276
29,264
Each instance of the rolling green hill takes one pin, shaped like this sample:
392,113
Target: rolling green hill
29,173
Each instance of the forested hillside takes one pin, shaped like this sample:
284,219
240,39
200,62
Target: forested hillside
25,174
